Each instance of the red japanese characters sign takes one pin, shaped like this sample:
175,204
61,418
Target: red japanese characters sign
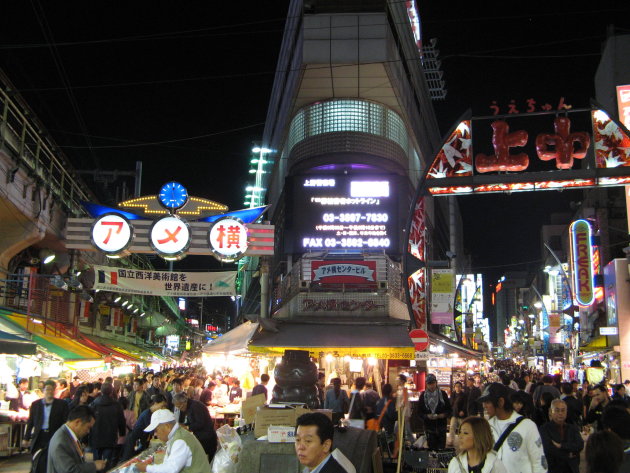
542,150
604,147
344,272
228,239
170,237
112,234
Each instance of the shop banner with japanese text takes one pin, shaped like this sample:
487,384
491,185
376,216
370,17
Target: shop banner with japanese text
442,296
164,283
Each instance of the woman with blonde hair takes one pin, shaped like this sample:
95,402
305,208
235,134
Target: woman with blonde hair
475,449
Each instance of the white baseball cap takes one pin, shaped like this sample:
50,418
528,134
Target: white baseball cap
161,416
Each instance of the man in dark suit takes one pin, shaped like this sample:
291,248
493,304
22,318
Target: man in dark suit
313,443
110,423
46,415
198,420
65,453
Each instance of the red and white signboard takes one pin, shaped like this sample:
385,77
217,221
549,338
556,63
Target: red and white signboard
111,234
344,272
623,104
228,239
420,339
170,237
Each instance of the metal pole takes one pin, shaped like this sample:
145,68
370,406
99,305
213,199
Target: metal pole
452,232
264,287
138,179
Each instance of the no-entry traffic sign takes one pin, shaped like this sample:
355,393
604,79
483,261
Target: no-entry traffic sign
420,339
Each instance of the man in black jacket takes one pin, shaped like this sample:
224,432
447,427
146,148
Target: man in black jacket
198,420
562,442
434,408
46,415
459,404
156,386
110,423
574,406
473,392
617,420
158,402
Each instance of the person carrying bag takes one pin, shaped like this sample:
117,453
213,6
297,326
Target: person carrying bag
375,424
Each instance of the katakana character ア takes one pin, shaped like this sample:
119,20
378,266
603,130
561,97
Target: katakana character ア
563,142
118,225
502,141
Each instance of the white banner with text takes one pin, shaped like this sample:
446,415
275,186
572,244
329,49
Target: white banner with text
164,283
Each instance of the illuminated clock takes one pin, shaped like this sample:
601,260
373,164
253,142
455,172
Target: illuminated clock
173,195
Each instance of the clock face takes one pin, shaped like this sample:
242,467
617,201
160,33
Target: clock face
173,195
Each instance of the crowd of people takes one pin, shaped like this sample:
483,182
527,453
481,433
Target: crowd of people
517,421
114,418
511,422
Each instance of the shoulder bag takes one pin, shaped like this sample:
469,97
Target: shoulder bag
507,432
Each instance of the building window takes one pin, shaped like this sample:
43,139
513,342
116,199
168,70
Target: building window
347,115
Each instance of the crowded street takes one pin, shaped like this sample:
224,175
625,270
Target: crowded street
314,237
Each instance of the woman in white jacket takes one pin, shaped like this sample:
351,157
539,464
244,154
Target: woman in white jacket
475,446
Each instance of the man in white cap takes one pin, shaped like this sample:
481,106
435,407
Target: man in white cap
184,453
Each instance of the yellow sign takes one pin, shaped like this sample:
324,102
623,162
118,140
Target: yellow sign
381,353
442,281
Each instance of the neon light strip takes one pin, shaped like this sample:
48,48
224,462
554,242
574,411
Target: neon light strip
576,249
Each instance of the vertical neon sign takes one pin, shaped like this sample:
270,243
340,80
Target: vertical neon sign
582,262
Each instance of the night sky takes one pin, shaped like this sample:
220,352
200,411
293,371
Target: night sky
184,87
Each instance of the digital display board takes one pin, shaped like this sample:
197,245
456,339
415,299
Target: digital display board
345,212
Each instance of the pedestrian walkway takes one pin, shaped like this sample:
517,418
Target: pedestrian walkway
16,464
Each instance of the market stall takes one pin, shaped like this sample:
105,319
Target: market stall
343,347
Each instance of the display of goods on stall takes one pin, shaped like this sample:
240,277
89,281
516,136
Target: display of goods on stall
296,379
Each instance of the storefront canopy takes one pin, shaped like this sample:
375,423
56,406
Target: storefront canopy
453,347
382,339
234,342
144,353
54,342
65,348
13,345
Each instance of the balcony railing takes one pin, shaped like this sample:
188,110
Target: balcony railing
389,282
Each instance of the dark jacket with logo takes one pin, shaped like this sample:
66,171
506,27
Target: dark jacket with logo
110,422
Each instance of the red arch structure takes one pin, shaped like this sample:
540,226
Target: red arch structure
508,157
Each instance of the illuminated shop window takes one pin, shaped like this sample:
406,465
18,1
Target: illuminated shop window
347,115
